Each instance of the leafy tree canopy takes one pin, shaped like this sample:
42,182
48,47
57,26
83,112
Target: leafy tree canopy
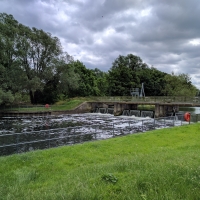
32,62
179,85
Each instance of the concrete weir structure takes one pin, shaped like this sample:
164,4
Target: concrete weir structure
117,107
161,110
164,105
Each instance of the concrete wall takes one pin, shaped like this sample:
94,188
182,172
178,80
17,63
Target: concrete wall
120,107
163,110
88,107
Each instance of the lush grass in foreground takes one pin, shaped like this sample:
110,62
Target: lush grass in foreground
161,164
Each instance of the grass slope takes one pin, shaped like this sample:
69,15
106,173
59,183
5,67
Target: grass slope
59,106
161,164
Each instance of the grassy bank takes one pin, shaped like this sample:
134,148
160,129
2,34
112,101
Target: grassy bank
59,106
68,104
161,164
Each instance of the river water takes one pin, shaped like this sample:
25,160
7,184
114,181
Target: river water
19,135
192,110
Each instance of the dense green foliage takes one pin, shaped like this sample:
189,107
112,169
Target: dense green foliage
129,72
161,164
180,85
32,63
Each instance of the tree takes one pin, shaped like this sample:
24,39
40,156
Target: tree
32,60
67,78
101,81
37,61
179,85
153,80
87,82
9,62
123,74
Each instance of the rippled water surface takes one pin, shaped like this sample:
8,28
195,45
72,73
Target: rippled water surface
25,134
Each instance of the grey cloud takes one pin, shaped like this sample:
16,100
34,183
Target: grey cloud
157,31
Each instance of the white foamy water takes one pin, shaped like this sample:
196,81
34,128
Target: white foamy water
51,131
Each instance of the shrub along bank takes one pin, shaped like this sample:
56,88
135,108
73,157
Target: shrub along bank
160,164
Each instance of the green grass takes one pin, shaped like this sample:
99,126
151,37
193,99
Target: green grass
146,107
61,105
67,105
160,164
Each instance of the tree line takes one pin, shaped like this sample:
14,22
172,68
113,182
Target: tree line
33,63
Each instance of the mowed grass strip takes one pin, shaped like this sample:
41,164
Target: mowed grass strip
160,164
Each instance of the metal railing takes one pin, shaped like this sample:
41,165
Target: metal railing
150,99
11,143
153,99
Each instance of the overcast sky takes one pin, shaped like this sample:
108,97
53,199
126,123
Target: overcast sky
165,34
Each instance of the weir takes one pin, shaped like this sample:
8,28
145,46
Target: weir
136,113
131,108
104,110
162,109
110,111
147,114
126,112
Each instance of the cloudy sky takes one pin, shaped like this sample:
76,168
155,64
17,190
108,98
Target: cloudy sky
165,34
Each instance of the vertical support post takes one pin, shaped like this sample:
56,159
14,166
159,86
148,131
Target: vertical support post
48,138
182,121
17,141
157,110
95,134
74,136
142,125
113,130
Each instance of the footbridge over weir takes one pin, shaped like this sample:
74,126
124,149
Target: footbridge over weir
162,106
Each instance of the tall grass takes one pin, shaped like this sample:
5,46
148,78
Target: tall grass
161,164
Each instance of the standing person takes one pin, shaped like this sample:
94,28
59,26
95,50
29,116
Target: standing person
174,111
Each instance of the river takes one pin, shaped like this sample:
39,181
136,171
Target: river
192,110
19,135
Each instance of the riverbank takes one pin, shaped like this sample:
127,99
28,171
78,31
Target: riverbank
70,106
160,164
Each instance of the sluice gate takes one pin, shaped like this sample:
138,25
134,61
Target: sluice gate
138,113
131,108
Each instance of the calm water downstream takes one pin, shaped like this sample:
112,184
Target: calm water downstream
193,110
